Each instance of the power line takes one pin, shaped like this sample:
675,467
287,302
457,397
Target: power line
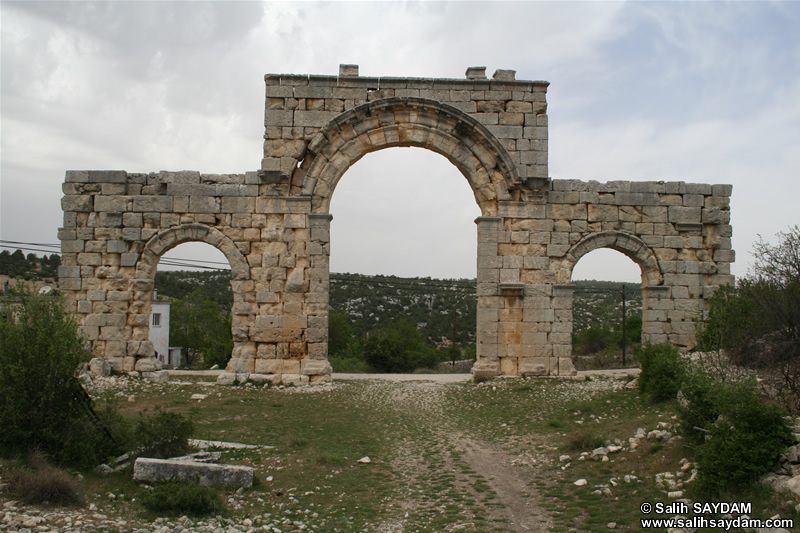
170,261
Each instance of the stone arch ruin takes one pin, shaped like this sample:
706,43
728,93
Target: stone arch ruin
273,225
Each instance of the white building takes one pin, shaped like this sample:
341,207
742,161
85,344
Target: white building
159,334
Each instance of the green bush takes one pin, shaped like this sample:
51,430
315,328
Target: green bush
757,323
162,435
43,404
662,372
739,436
398,347
203,328
173,498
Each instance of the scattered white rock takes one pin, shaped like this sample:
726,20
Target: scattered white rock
364,460
580,483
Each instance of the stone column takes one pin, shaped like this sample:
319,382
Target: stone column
316,365
489,299
560,336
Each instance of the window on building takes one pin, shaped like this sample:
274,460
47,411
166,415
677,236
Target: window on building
156,319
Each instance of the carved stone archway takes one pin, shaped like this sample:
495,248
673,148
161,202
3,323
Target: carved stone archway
630,245
273,225
417,122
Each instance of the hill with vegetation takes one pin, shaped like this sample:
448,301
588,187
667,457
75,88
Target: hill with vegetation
363,306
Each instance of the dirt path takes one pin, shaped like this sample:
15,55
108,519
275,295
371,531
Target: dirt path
452,480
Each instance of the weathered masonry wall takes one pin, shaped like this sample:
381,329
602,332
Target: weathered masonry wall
678,233
273,225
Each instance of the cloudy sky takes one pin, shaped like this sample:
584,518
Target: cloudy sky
677,91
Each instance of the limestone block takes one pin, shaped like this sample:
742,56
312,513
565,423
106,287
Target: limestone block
294,380
153,471
100,366
560,351
110,203
156,204
204,204
566,367
313,367
637,198
160,376
508,366
81,204
534,366
603,213
688,215
107,176
147,364
233,378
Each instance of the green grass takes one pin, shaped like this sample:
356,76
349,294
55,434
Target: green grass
418,438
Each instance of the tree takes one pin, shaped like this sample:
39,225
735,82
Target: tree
200,326
340,333
398,347
42,405
758,322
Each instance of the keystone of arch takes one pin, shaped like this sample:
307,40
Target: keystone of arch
165,240
409,121
628,244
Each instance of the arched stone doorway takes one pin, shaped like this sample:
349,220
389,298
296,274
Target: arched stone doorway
641,254
143,284
417,122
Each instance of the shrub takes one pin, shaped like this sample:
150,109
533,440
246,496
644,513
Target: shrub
399,347
175,498
757,323
662,371
43,404
162,435
744,437
44,484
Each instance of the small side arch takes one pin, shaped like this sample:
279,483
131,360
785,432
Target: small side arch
628,244
418,122
165,240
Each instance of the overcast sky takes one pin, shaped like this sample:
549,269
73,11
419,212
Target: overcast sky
700,92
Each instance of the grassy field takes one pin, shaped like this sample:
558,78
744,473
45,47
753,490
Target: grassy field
443,456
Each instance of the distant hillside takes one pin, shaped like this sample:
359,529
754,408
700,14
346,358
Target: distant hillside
179,283
598,302
370,302
29,267
373,301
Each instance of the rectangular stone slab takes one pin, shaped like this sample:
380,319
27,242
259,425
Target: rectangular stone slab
146,470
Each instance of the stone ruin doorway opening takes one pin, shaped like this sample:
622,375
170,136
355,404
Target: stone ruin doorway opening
650,277
607,310
188,267
164,246
408,213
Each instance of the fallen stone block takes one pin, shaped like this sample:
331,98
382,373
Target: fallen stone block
146,470
232,378
99,366
261,379
160,376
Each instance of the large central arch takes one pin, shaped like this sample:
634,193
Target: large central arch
273,224
417,122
